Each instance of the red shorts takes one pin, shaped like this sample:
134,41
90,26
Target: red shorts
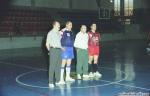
93,51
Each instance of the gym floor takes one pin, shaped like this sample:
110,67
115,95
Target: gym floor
124,66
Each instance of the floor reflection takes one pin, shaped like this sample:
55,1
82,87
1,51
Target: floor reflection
124,59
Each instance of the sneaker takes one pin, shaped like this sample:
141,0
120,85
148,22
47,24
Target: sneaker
69,79
60,83
85,77
78,76
97,75
91,75
51,85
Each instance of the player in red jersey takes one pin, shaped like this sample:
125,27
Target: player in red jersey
93,51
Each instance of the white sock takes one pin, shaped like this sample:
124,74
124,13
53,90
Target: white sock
68,71
62,74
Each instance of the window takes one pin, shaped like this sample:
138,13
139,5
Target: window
117,7
128,7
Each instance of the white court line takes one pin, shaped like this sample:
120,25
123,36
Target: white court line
38,69
134,86
19,76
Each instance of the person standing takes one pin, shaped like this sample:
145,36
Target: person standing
67,41
93,51
81,45
53,44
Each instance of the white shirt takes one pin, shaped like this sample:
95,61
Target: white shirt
53,39
81,40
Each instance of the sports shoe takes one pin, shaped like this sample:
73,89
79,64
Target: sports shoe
97,75
69,79
60,83
85,77
91,75
51,85
78,76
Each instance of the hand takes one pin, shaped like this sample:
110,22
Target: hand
48,48
62,48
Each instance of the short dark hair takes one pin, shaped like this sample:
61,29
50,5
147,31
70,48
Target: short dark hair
68,22
83,25
54,22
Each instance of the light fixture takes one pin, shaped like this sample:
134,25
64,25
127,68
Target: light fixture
111,1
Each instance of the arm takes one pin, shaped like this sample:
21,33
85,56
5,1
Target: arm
76,42
48,41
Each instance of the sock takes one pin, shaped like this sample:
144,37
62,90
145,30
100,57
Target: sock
90,68
62,73
68,71
95,67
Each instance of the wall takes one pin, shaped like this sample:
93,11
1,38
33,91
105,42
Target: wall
52,3
65,4
131,32
140,4
21,2
20,42
27,42
84,4
76,4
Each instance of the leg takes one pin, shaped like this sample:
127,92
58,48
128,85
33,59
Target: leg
62,69
58,65
90,63
68,68
90,66
85,65
79,63
96,55
60,80
51,66
85,62
95,65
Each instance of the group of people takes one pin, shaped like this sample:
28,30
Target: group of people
61,44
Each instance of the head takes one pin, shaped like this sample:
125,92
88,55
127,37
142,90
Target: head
83,28
93,27
56,25
69,25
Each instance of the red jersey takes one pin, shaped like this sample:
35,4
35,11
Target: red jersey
94,39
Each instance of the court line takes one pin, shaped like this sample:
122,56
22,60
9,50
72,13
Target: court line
19,76
133,86
39,69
